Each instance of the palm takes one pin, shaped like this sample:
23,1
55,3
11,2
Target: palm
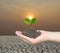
42,37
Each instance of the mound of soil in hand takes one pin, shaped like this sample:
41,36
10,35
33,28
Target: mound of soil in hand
32,33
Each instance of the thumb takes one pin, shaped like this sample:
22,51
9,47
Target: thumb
40,30
18,33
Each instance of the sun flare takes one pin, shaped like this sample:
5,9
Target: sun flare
30,17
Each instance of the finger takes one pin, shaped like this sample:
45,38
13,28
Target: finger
27,39
17,32
40,30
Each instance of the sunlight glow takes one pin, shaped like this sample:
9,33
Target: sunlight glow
30,17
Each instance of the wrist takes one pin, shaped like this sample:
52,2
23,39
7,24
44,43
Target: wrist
48,35
53,36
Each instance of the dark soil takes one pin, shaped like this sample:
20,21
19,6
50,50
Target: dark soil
30,32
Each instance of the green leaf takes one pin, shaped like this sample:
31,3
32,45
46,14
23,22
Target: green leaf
33,21
27,21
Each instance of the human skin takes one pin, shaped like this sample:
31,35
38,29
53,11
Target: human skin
45,36
25,38
53,36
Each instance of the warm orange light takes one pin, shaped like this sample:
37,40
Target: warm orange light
30,17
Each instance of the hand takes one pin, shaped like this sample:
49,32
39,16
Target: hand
42,37
25,38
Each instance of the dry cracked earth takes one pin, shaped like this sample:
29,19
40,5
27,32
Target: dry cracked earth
13,44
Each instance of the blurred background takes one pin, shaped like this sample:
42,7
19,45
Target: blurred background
13,13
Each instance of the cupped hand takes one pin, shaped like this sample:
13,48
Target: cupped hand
25,38
40,38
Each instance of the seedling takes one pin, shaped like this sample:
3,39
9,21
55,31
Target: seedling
30,32
30,20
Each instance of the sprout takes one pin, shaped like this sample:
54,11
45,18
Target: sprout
30,22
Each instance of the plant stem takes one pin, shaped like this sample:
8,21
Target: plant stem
31,25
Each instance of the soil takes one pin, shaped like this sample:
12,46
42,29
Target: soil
31,32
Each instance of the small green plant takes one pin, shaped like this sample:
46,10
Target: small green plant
30,22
